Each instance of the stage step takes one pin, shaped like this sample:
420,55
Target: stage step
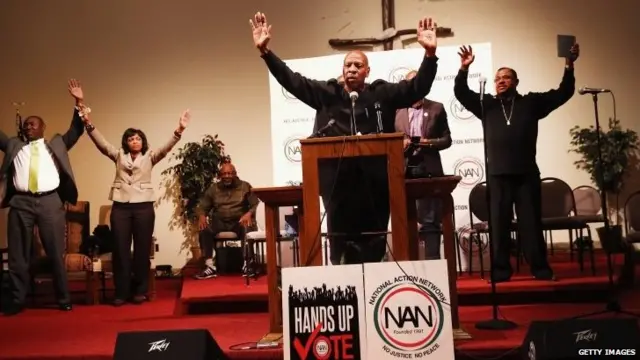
230,294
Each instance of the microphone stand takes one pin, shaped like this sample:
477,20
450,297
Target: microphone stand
19,119
494,323
613,305
353,117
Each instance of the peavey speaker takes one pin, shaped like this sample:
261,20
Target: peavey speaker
582,339
196,344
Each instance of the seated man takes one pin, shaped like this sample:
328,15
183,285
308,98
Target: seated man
228,205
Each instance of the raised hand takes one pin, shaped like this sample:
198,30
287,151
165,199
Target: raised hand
466,56
575,53
261,31
427,35
75,89
185,118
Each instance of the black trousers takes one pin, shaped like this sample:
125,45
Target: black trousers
429,211
48,213
357,206
525,191
132,222
216,226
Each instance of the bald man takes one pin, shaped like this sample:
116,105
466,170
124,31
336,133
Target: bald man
228,205
426,120
354,190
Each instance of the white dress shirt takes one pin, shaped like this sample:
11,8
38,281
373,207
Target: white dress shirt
415,121
48,176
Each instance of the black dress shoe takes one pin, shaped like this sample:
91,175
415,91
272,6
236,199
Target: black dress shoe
544,275
500,276
12,310
118,302
139,299
65,307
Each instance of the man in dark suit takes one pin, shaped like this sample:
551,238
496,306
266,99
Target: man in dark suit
427,120
36,179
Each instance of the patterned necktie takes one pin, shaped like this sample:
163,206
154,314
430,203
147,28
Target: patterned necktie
34,163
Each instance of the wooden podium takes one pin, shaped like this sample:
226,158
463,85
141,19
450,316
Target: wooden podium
274,198
388,145
440,187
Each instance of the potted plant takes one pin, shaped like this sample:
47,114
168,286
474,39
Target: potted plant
617,145
198,165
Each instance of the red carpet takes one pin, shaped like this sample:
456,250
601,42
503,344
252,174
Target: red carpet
89,332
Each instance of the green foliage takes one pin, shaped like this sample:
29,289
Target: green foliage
198,165
617,145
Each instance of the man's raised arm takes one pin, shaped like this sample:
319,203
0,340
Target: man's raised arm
549,101
306,90
467,97
71,136
406,93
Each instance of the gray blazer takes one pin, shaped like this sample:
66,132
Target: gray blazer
435,127
58,146
132,182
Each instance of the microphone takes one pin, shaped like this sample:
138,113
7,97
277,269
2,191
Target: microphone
483,82
321,132
587,90
354,96
379,116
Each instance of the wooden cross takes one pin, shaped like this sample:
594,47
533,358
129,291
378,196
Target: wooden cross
388,25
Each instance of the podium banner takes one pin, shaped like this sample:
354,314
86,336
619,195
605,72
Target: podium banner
374,311
323,313
292,120
408,310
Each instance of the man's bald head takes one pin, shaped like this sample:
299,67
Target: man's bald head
355,70
228,174
357,53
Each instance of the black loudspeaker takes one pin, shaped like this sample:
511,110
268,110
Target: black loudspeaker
582,339
196,344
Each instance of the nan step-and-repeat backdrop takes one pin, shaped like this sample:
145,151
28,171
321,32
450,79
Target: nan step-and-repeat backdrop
292,120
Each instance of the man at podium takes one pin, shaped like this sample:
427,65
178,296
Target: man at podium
355,191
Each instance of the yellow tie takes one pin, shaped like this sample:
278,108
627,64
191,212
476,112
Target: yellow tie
33,167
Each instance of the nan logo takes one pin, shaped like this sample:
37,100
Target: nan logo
398,74
459,112
408,316
287,95
476,245
160,346
292,149
471,170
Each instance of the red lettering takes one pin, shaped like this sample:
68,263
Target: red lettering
303,351
342,345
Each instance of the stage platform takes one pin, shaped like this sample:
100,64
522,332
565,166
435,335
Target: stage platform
573,286
89,332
